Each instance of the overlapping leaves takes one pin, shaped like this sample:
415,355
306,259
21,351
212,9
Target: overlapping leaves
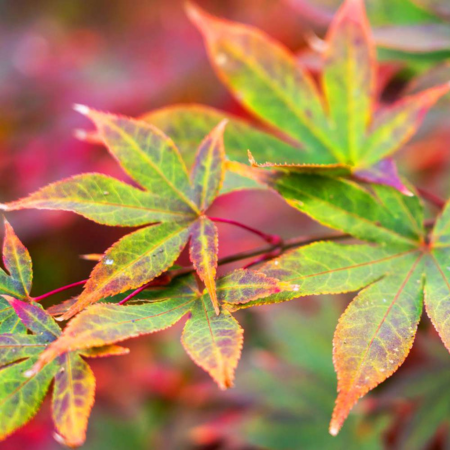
341,128
213,341
406,270
34,351
21,396
170,197
26,330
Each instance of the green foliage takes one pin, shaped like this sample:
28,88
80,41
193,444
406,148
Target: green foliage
324,142
172,197
22,392
296,410
213,341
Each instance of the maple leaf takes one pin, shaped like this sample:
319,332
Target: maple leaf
170,197
404,271
17,283
213,341
299,354
26,330
21,396
341,127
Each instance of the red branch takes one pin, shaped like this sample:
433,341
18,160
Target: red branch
134,293
61,289
269,238
431,198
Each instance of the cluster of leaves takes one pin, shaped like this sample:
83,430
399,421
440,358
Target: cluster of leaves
332,139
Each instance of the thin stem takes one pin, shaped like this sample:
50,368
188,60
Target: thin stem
431,198
61,289
268,249
263,258
134,293
269,238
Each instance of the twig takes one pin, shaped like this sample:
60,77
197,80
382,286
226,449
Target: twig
431,198
134,293
285,245
61,289
269,238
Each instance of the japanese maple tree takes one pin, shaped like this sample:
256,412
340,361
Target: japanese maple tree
327,151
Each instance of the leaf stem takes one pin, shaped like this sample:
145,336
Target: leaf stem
269,251
431,198
269,238
134,293
61,289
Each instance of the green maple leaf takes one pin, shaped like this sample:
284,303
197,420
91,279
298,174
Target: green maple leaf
341,128
213,341
21,396
22,391
404,271
170,196
296,411
26,330
18,263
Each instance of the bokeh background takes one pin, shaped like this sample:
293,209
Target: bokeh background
133,57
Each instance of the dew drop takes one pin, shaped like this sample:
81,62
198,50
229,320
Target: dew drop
276,263
29,373
295,287
105,193
391,361
109,262
384,300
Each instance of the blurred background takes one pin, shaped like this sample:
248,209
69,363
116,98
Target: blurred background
131,58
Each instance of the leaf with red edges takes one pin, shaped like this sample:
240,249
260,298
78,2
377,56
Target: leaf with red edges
376,332
172,198
264,77
22,390
214,342
203,254
18,263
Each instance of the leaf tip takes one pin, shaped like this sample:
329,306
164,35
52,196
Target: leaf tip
206,23
251,159
334,430
195,13
222,124
82,109
220,129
